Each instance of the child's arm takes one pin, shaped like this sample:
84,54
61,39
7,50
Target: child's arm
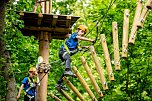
19,93
84,39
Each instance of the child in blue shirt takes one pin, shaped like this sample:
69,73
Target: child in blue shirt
29,85
69,48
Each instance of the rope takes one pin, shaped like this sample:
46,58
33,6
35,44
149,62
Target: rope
97,23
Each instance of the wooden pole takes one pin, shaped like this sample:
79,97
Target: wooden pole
98,68
44,52
55,97
149,4
50,7
125,33
116,46
84,84
65,95
107,56
42,3
97,88
144,14
136,19
73,89
47,7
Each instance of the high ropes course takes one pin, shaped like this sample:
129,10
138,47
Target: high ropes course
46,26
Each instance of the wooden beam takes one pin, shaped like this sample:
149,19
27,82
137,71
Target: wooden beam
61,36
136,19
125,33
107,56
84,84
65,94
99,68
68,21
54,97
40,17
54,21
48,29
97,88
116,45
74,89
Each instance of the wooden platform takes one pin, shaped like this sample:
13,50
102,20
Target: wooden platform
57,25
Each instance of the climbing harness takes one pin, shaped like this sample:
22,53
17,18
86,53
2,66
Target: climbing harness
30,97
67,49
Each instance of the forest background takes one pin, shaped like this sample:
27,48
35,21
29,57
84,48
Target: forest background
19,53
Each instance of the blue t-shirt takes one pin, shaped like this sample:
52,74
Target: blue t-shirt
26,83
72,41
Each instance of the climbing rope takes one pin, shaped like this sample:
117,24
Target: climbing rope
97,24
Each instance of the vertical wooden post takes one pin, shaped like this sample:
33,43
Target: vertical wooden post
97,88
50,7
144,14
73,88
43,6
136,19
125,33
44,52
107,56
47,7
54,97
84,84
98,68
65,95
116,46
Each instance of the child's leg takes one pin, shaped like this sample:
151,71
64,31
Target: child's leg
60,80
67,59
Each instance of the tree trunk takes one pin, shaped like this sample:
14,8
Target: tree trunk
5,61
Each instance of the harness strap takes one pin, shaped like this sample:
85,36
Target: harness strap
66,47
30,97
31,86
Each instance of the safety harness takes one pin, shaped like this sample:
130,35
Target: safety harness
67,49
31,85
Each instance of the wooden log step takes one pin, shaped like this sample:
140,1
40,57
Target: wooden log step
125,33
99,68
97,88
74,89
116,46
84,84
107,57
54,97
136,19
65,94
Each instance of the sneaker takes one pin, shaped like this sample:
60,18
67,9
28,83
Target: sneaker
69,73
60,86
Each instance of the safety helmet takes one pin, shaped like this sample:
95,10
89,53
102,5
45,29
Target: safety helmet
83,27
32,69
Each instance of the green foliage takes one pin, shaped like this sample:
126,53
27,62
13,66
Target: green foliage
133,82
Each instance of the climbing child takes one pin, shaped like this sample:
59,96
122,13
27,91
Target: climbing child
29,85
69,48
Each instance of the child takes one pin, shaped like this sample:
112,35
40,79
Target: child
29,85
69,48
